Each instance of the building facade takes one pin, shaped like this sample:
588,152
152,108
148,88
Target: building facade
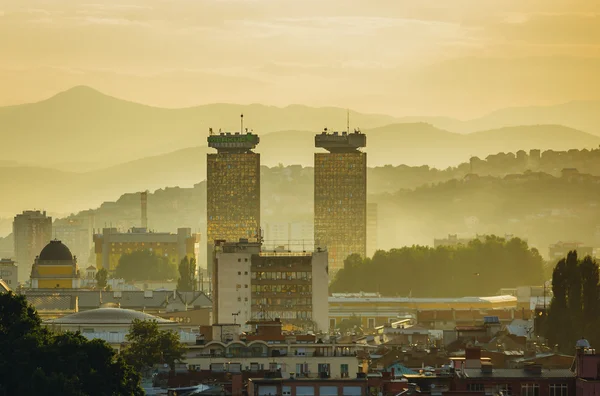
32,230
252,284
55,268
9,273
340,203
232,189
112,244
77,234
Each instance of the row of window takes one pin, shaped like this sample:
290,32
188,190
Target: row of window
526,389
300,315
282,301
282,288
282,275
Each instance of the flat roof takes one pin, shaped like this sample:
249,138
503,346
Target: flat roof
425,300
518,373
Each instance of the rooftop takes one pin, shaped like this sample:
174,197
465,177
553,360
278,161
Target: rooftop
519,373
55,251
107,316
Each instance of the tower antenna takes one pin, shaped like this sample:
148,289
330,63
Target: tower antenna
348,120
242,123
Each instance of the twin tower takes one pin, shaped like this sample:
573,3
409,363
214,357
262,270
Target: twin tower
340,188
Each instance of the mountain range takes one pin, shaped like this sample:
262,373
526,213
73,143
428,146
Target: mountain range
81,148
82,129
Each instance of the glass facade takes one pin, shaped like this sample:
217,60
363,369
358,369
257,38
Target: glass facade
341,205
233,196
282,288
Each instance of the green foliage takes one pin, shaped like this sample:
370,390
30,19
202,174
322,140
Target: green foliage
575,303
145,265
148,346
36,361
102,278
480,268
187,275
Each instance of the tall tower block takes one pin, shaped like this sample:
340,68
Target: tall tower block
341,196
232,189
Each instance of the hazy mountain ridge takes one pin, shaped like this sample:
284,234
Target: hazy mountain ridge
82,129
582,115
68,125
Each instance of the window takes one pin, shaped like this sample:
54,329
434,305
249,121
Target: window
344,371
324,368
371,323
245,286
475,387
239,272
332,323
239,260
504,389
558,390
245,272
530,390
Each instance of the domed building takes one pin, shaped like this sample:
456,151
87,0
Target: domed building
55,268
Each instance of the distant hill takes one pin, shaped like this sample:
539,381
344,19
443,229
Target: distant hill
411,144
83,129
582,115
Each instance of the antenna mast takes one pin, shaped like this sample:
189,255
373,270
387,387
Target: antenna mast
348,120
242,123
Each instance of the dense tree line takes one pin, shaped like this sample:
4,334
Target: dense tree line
575,308
37,361
477,269
145,265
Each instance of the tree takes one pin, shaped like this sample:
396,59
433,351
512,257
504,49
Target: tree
148,346
465,270
38,361
102,278
187,275
145,265
575,303
354,325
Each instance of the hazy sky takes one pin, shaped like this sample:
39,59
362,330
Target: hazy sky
460,58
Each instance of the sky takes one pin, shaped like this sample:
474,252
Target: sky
457,58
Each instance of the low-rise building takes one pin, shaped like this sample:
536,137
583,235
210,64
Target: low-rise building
112,244
9,272
112,324
221,348
307,387
55,268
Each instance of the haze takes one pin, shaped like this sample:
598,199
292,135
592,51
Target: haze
454,58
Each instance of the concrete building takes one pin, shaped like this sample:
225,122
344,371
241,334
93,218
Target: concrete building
55,268
374,310
112,244
77,234
268,347
32,230
9,273
341,196
560,250
112,325
372,223
252,284
232,189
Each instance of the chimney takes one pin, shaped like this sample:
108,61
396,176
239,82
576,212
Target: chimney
473,357
486,368
144,198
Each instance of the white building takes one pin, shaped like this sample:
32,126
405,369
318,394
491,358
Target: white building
249,283
112,324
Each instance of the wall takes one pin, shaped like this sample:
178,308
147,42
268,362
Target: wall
232,288
320,291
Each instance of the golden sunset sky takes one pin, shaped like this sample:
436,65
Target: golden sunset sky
459,58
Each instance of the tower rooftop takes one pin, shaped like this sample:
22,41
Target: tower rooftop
344,142
234,142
